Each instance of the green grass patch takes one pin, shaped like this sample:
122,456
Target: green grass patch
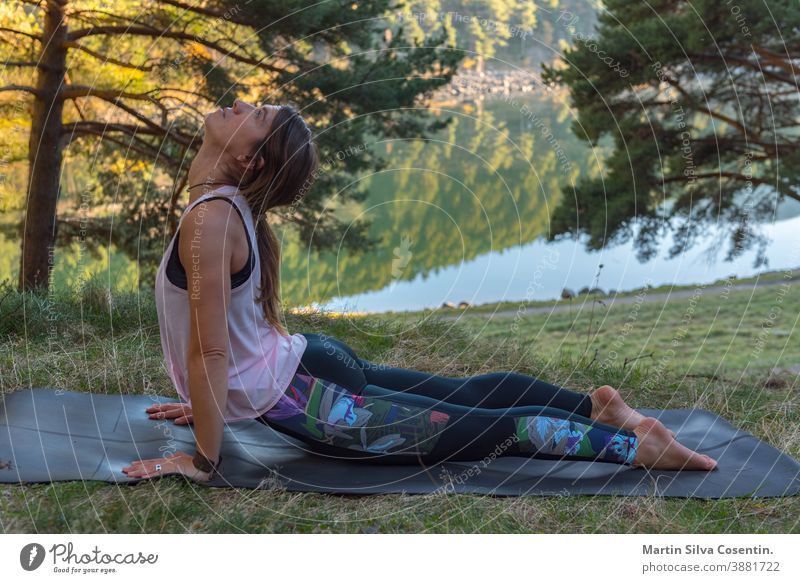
110,344
709,333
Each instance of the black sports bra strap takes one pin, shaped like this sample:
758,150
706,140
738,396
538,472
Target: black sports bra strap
177,274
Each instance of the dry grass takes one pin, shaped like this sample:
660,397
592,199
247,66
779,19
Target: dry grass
116,349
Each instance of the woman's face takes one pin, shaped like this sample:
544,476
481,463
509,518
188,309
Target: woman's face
239,129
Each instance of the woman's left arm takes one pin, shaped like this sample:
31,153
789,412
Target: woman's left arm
205,249
207,252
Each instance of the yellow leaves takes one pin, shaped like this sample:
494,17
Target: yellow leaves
13,15
199,51
89,68
468,62
118,165
138,166
127,166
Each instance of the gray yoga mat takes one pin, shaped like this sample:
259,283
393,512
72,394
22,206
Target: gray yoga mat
49,435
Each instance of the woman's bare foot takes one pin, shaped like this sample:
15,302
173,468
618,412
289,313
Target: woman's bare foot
609,407
658,450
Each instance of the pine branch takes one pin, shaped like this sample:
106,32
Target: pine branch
155,33
745,62
94,126
72,91
29,35
733,176
707,110
206,11
25,88
105,59
77,129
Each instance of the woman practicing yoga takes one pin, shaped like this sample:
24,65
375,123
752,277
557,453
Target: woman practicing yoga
230,358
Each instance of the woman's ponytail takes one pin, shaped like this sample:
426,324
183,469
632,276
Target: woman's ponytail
290,166
269,252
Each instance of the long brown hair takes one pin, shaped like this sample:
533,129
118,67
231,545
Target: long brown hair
291,161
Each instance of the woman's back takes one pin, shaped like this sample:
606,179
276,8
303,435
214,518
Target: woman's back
261,360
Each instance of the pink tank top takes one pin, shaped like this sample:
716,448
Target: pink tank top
261,360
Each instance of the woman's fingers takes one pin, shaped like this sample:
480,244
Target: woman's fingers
139,469
143,472
165,407
177,411
147,468
168,414
132,467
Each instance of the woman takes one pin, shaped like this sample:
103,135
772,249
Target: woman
217,293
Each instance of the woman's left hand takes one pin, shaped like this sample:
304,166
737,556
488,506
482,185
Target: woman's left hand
177,463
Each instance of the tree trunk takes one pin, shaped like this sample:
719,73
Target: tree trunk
44,155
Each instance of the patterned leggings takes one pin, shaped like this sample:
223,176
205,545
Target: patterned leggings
345,407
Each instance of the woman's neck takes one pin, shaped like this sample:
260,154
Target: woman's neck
205,173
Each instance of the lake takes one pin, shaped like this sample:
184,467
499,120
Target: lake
461,217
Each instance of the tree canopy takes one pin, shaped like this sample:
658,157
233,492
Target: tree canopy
700,101
124,86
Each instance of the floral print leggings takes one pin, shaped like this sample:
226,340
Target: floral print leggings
395,424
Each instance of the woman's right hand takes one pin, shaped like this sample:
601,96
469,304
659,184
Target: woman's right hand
180,412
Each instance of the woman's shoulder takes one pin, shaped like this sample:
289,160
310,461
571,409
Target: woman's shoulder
209,223
209,205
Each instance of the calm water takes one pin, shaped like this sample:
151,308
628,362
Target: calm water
537,271
460,217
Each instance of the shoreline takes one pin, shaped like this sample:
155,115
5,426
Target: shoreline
609,301
653,293
476,86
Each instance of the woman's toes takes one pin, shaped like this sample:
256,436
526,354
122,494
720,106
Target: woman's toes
659,450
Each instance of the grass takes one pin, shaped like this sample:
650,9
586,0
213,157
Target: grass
92,342
708,333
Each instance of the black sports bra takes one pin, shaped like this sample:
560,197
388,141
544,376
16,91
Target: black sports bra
176,273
